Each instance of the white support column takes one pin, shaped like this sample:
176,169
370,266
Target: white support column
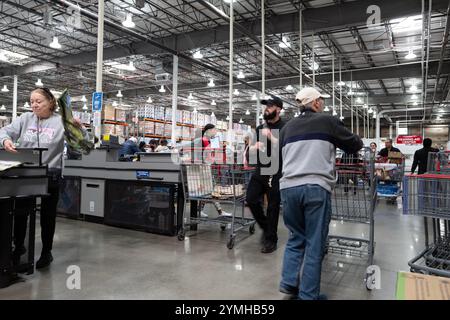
300,45
174,100
313,63
258,108
14,111
230,90
99,78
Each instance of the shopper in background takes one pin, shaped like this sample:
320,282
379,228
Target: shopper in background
40,128
163,146
421,156
141,146
153,144
384,153
261,184
308,147
373,147
128,149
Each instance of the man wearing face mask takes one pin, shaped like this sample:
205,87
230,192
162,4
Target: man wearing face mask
264,181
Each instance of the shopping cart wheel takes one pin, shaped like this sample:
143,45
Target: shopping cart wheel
230,243
223,228
181,235
251,229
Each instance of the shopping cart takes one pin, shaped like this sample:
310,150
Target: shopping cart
216,183
439,162
353,201
428,195
389,179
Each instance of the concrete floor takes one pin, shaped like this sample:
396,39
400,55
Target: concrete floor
125,264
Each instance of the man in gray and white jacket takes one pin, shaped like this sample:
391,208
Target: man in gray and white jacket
308,151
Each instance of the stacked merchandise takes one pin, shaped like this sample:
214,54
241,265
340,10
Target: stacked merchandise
149,127
159,113
168,130
109,113
121,115
186,117
168,115
159,129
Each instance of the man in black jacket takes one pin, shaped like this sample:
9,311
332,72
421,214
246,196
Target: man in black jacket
266,178
421,156
388,148
308,147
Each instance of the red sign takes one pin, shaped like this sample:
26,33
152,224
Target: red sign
409,140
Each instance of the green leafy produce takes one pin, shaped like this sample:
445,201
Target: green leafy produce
74,135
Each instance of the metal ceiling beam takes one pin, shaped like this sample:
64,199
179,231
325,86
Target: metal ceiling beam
315,19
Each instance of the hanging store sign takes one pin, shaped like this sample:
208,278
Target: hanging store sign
409,140
97,101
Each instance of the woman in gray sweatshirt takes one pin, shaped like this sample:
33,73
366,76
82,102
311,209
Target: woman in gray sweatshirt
41,128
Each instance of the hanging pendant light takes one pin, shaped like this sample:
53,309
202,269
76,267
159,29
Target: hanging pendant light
247,113
162,89
39,83
213,103
211,83
149,100
5,88
128,22
55,43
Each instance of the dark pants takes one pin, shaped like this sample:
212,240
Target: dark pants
47,217
5,241
257,188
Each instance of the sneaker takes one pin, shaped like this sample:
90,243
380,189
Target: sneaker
226,214
203,214
44,260
269,247
291,293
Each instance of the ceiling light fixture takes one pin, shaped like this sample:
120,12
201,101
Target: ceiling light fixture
195,110
325,95
326,109
115,104
241,75
359,100
131,66
5,88
374,115
413,88
285,43
211,83
247,113
241,121
213,103
190,97
314,66
289,87
254,98
228,118
3,108
85,107
162,89
350,93
26,105
197,55
334,113
236,92
119,94
55,43
213,115
3,57
414,97
370,110
39,83
341,118
83,98
149,100
411,55
341,83
415,103
128,22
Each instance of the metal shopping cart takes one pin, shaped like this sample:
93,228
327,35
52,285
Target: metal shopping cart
428,195
216,183
439,162
390,173
353,201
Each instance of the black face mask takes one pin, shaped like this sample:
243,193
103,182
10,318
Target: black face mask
270,116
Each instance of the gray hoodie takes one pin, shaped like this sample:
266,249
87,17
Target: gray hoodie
50,135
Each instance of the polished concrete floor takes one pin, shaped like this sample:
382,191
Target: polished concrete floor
125,264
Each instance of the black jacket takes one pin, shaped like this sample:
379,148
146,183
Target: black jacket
421,159
385,152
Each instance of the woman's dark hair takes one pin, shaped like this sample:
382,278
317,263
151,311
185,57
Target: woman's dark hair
163,142
373,143
209,126
49,95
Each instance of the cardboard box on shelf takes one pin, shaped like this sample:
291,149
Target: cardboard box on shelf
416,286
179,116
168,130
149,127
109,113
168,114
194,118
121,115
120,130
186,132
159,129
201,119
186,117
109,129
159,113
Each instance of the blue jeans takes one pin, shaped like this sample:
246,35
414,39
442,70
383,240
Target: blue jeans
307,215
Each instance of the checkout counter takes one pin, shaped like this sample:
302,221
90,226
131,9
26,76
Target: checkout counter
144,195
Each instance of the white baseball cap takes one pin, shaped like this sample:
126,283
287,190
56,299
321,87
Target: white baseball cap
133,139
307,95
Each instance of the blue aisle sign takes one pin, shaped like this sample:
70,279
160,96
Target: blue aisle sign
97,101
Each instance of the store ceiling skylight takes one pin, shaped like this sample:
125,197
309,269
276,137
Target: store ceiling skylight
11,57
